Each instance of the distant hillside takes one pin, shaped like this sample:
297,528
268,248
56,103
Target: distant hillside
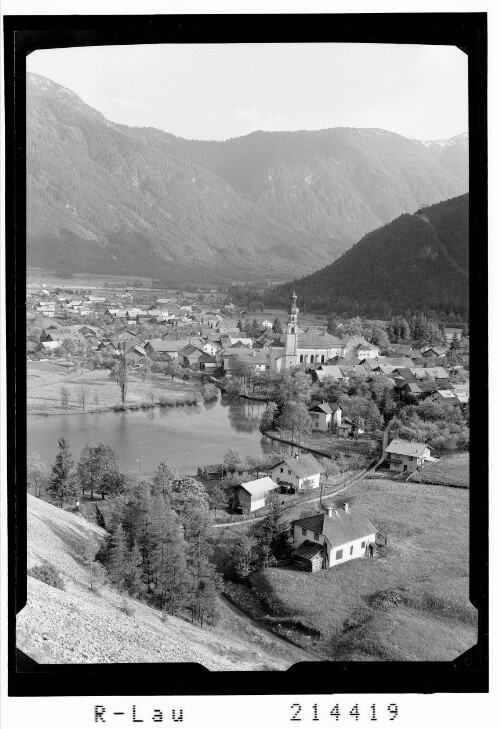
416,262
82,626
106,198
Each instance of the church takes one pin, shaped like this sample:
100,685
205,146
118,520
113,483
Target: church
302,346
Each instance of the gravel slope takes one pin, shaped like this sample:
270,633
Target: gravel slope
80,626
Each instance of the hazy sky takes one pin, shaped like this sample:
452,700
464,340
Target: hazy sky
221,91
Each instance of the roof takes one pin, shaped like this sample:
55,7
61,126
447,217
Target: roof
308,549
323,406
303,466
161,345
341,527
259,485
367,347
328,371
406,448
436,373
392,361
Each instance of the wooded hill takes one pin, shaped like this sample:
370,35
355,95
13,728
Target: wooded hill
106,198
417,262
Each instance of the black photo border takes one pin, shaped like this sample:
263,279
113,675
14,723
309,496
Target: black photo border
24,34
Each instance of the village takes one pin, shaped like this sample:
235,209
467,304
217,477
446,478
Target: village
344,406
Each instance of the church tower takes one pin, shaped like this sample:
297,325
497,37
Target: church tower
292,334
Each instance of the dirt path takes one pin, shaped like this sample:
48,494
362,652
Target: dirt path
301,653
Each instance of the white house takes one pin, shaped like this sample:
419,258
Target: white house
298,473
321,415
406,456
328,539
254,494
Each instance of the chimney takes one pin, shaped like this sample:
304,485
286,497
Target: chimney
346,507
329,511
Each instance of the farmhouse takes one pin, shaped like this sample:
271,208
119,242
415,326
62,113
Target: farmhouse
254,494
321,416
298,473
324,540
406,456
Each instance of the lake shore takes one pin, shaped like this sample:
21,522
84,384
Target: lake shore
46,382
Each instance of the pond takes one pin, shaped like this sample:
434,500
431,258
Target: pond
189,436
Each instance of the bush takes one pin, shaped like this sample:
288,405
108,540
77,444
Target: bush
48,574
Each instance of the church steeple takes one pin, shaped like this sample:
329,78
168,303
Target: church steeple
292,318
291,336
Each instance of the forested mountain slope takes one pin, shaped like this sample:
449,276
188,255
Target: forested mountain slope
416,262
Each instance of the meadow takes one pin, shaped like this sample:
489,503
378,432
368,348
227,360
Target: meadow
46,379
447,471
410,602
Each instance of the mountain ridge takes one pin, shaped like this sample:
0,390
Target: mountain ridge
104,197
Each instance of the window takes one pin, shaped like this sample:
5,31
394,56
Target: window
322,358
289,472
350,551
316,537
304,532
312,357
338,554
281,470
316,424
362,545
301,357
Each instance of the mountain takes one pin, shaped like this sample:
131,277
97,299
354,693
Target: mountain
103,197
416,262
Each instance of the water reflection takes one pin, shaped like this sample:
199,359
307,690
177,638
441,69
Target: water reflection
188,436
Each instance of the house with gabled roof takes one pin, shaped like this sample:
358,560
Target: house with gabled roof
298,473
406,456
330,538
434,351
254,495
321,415
162,349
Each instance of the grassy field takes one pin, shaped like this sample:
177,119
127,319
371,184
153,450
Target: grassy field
447,471
37,276
409,603
329,443
45,380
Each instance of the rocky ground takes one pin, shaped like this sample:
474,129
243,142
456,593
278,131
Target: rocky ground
77,625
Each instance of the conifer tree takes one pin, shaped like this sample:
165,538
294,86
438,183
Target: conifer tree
63,483
117,557
277,328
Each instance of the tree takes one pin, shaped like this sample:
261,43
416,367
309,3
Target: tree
97,469
243,558
64,398
83,395
37,478
97,399
96,576
117,557
277,328
164,478
267,418
255,329
233,461
273,534
63,483
216,496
